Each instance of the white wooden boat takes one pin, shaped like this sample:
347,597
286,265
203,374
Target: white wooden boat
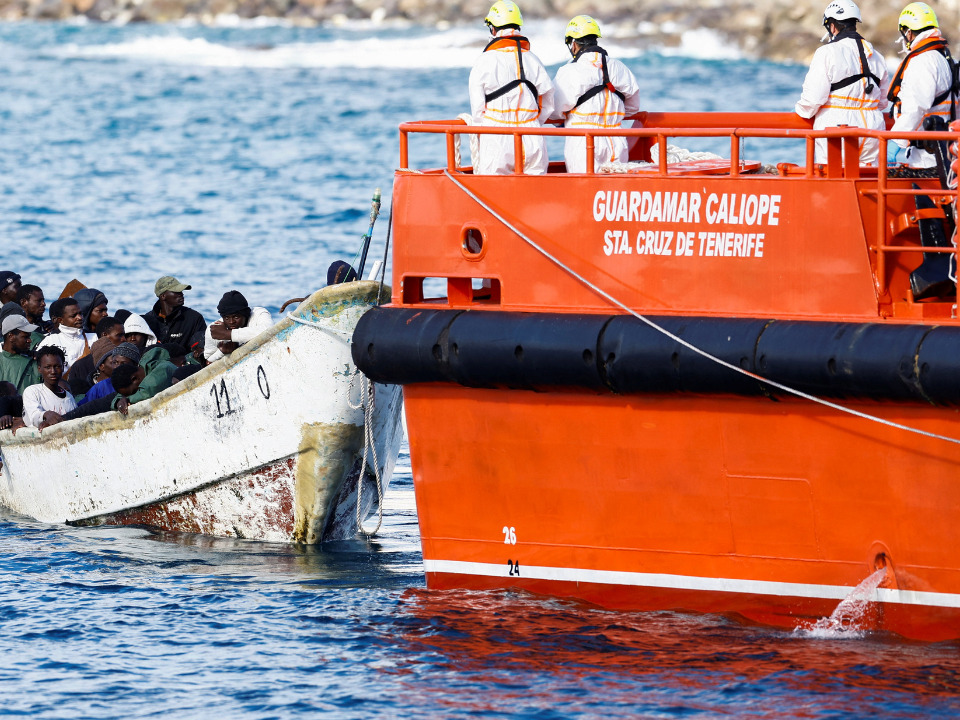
266,444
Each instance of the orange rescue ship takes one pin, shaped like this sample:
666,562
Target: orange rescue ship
701,386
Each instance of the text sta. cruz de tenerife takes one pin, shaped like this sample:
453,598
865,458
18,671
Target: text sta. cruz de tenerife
741,214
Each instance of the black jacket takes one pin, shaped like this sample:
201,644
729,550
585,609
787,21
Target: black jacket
180,327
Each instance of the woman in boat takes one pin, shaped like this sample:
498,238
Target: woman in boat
509,87
846,82
45,403
67,316
593,91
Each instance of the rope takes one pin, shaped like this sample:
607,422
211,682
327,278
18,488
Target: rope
367,388
684,343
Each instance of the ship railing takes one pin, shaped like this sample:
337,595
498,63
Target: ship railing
843,156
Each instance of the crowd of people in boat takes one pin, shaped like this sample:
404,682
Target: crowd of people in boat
848,84
81,360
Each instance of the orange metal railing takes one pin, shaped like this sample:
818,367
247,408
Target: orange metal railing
842,143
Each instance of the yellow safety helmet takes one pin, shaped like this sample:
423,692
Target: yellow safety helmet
918,16
504,12
581,26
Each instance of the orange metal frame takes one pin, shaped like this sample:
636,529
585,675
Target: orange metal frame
658,128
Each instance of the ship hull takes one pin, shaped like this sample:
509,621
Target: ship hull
772,510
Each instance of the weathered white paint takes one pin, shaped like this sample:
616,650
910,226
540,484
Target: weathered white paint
253,445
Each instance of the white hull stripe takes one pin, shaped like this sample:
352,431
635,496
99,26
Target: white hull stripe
686,582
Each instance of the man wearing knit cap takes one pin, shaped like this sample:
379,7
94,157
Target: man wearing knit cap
239,324
9,286
170,320
105,361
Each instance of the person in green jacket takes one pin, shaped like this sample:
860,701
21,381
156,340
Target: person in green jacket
16,365
137,382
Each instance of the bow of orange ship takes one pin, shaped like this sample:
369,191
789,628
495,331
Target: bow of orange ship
706,385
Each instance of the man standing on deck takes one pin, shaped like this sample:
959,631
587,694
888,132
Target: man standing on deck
170,320
846,82
923,85
593,91
509,87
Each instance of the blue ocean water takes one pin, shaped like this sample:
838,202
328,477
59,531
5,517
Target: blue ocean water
244,157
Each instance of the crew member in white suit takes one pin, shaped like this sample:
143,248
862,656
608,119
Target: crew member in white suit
923,84
846,83
593,91
509,87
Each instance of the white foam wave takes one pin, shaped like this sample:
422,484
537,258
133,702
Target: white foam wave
853,617
703,44
456,47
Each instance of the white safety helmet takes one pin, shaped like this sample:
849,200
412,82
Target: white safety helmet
841,10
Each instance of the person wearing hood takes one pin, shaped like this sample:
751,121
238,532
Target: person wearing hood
9,286
170,320
846,82
66,314
93,306
108,358
509,88
138,332
238,324
923,85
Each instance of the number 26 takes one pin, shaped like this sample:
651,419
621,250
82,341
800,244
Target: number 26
509,535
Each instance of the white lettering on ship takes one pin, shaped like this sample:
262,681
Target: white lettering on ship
741,214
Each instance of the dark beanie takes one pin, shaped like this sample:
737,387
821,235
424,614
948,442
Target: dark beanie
232,303
340,272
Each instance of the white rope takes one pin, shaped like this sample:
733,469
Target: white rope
684,343
345,338
368,390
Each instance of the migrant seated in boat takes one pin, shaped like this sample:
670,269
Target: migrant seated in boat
18,370
238,324
138,332
32,301
16,364
69,337
135,383
46,402
9,286
106,359
93,307
170,320
83,376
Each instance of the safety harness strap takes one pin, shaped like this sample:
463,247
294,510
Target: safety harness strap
522,44
940,45
864,73
605,84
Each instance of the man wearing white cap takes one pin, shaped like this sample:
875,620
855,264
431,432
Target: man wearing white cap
170,321
16,366
137,332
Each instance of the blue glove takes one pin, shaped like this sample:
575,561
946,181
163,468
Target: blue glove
892,151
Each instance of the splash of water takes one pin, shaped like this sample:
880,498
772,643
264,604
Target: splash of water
854,616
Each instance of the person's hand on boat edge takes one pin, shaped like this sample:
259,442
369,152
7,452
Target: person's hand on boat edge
49,418
6,422
123,405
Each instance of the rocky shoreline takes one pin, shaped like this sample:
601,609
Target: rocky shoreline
776,29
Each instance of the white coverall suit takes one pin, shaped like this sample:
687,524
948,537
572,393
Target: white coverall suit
926,76
518,108
603,110
850,105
